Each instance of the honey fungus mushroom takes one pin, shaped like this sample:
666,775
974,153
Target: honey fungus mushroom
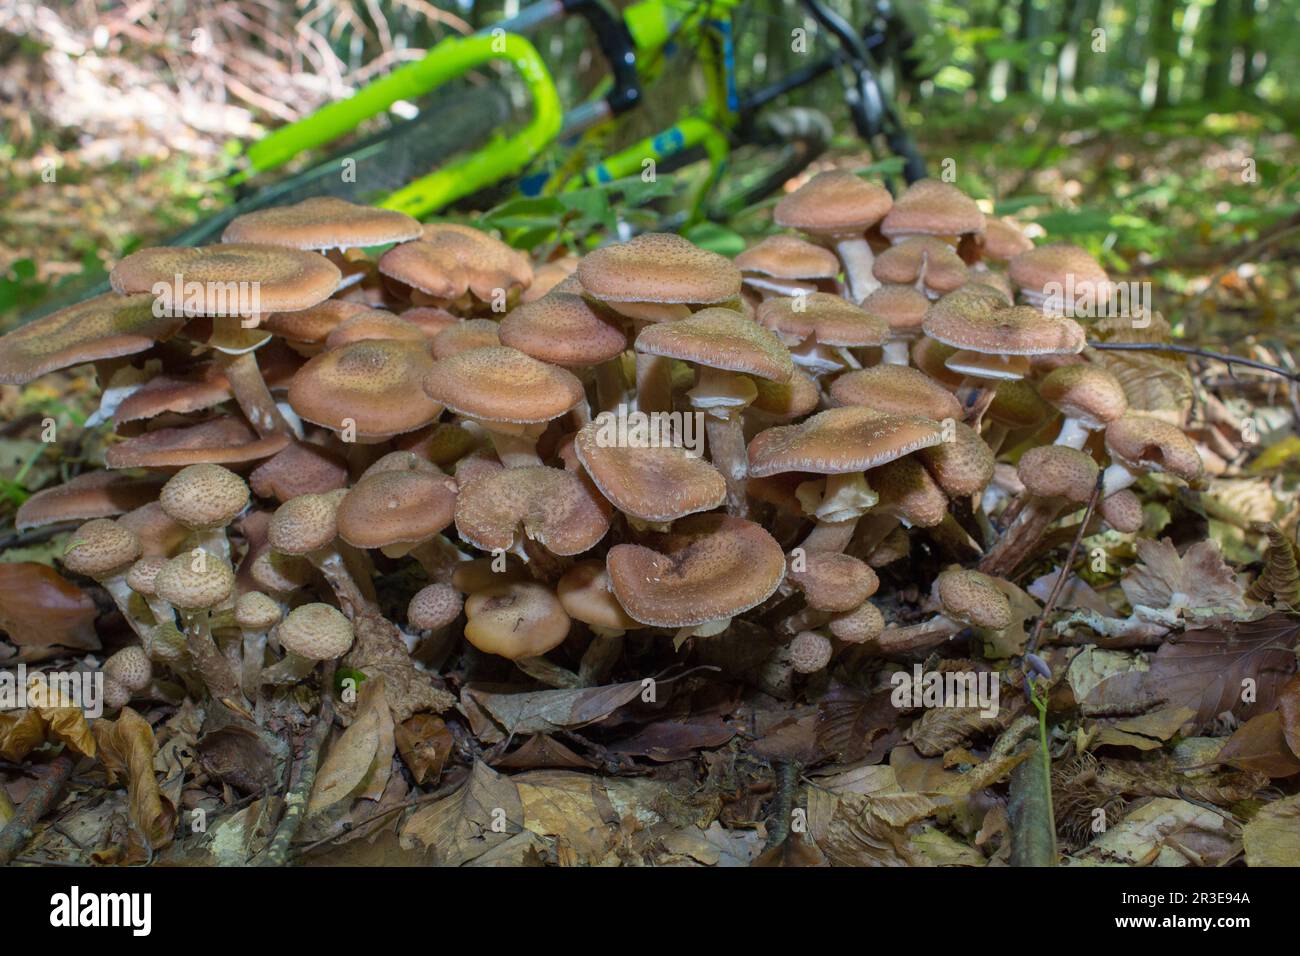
520,621
585,594
195,583
309,634
966,599
205,499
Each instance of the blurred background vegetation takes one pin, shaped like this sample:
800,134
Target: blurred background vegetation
1158,133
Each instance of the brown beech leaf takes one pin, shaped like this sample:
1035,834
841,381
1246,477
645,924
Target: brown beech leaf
542,751
1288,708
484,812
127,749
23,732
41,609
425,743
1272,838
1260,745
1199,579
360,760
494,716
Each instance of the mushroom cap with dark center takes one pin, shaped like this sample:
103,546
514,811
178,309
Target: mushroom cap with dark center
396,507
374,383
655,483
899,389
840,441
1146,443
501,384
789,257
435,270
107,326
317,632
721,339
584,592
465,336
225,440
1058,471
515,619
901,306
285,279
303,524
833,204
907,490
1004,239
100,547
658,267
974,599
1057,262
834,582
556,508
204,496
563,328
1088,393
195,582
963,466
322,222
935,263
825,318
434,606
932,207
257,612
974,319
709,567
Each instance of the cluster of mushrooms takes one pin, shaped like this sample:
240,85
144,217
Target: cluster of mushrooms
436,410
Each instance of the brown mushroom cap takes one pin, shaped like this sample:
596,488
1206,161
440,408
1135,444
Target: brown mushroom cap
556,508
312,326
193,582
550,275
515,620
1122,510
465,335
1033,269
1146,443
386,508
565,329
826,318
1004,239
435,270
202,497
100,548
931,207
373,324
1058,471
974,319
490,265
107,326
658,267
974,599
584,592
434,606
899,389
789,257
787,400
280,573
907,490
92,494
322,222
302,525
285,279
834,204
500,384
1088,393
810,652
257,612
130,667
709,567
840,441
963,466
300,469
931,261
375,383
722,339
901,306
143,574
834,582
317,632
863,623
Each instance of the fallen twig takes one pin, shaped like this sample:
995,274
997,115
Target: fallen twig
1193,350
19,830
295,801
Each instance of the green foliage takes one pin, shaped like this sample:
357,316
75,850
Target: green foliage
574,217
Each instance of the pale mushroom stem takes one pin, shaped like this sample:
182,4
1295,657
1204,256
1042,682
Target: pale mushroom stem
1073,434
1020,536
1116,478
212,540
654,384
290,669
254,659
439,558
872,531
600,657
353,601
211,664
917,637
610,388
896,352
805,619
830,536
121,592
252,395
858,262
729,455
515,451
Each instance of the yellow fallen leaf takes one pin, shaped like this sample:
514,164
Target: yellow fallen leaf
127,750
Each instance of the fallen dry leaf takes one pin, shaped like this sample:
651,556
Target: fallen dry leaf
127,750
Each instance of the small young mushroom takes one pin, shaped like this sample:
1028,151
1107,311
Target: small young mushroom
786,265
104,549
194,583
903,308
1088,396
205,499
927,265
821,330
1060,278
862,624
126,673
309,634
585,595
431,610
934,208
967,599
1140,444
256,614
306,527
810,652
520,621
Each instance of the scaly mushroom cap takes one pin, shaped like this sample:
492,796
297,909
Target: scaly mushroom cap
464,336
100,548
551,275
789,257
787,401
585,594
864,623
435,270
374,383
500,384
974,599
832,581
491,267
833,204
107,326
1145,443
931,358
658,267
933,262
280,573
1004,240
722,339
226,440
1017,405
563,328
931,207
301,469
195,582
257,612
901,306
963,466
317,632
204,496
323,222
1122,510
285,279
907,490
1088,393
899,389
840,441
302,525
514,620
825,318
130,667
709,567
143,575
1057,262
1058,471
810,652
656,483
434,606
374,324
92,494
312,326
556,508
396,507
974,319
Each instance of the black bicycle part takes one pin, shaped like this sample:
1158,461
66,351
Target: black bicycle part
618,48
